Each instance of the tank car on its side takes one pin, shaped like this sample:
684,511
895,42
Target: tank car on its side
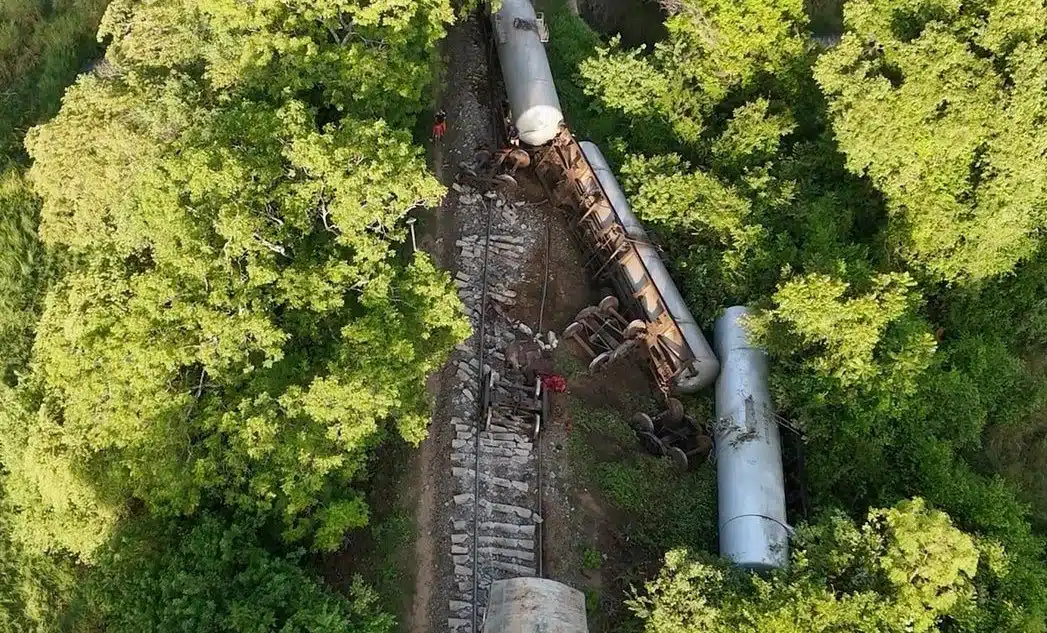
753,529
749,475
579,176
528,80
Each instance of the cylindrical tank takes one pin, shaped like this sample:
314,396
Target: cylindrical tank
750,481
526,605
525,70
705,367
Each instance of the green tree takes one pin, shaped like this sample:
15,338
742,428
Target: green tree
34,589
713,49
849,334
941,104
238,324
212,575
893,377
907,568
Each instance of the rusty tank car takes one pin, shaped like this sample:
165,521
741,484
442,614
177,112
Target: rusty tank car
620,252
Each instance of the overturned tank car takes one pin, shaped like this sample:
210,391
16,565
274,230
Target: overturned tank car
620,252
749,475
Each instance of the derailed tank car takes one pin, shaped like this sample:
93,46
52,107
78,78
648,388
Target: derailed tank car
749,475
528,80
579,177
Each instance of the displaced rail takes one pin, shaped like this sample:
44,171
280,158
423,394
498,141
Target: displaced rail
501,408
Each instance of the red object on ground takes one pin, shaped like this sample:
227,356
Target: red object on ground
439,129
554,383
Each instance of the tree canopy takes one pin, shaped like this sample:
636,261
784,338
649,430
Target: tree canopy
234,322
214,576
942,105
907,568
875,204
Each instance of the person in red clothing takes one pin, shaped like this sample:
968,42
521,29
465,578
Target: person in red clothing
439,125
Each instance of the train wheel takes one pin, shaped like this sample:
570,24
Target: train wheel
652,444
506,179
518,158
643,423
586,313
600,361
608,303
678,456
573,329
703,446
482,158
635,329
622,350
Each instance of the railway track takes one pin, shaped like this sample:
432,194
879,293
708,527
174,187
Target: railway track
495,458
496,531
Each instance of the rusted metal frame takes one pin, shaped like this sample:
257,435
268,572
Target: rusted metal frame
589,211
599,333
595,244
613,257
664,304
597,241
660,355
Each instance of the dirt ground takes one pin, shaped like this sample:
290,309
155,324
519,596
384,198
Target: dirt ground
584,543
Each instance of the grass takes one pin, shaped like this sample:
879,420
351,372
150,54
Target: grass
569,366
592,558
40,54
662,507
651,508
593,596
381,554
391,535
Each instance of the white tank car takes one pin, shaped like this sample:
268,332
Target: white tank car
525,69
749,477
527,605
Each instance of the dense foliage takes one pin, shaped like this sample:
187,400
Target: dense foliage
42,47
41,50
942,105
211,576
881,202
40,53
22,270
221,308
905,569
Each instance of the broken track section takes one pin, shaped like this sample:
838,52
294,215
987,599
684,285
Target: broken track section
495,462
